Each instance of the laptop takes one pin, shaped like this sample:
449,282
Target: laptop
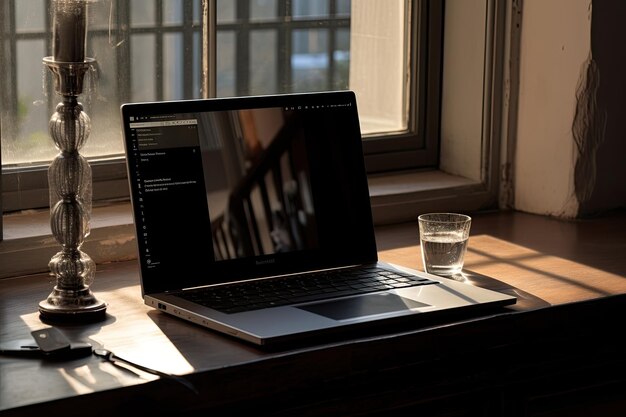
253,219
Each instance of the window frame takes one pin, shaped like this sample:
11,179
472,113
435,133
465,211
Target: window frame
401,151
402,196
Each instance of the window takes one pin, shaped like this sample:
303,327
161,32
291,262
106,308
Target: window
152,50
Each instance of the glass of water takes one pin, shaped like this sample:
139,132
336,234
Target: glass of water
443,239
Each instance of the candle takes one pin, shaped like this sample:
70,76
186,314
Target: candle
69,33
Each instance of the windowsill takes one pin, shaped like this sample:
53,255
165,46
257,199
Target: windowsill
400,197
28,243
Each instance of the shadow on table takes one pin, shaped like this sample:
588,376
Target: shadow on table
525,300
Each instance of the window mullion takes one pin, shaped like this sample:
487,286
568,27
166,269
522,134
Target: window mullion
158,44
332,36
209,48
284,45
188,46
8,83
2,93
123,51
242,59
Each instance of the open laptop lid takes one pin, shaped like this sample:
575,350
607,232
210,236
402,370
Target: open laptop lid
236,188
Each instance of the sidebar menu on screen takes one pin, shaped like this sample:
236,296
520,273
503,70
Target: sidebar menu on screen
169,196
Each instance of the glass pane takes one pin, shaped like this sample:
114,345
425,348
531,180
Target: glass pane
172,12
310,8
379,45
343,7
197,12
295,58
310,60
101,108
142,79
98,14
262,9
29,15
197,66
341,58
225,11
225,82
173,67
262,62
142,12
31,124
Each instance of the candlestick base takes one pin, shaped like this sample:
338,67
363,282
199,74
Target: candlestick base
72,306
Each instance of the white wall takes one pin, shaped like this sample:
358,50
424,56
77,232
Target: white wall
555,43
463,91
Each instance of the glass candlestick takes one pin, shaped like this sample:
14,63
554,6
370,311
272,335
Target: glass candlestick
69,177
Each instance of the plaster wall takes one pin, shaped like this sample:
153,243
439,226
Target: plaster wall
555,46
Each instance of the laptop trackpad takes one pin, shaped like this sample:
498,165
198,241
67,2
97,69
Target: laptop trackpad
365,305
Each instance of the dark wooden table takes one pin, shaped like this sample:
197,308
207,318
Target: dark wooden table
557,352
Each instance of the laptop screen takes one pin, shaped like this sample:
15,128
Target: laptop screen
237,188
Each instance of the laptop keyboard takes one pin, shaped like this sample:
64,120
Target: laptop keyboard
296,289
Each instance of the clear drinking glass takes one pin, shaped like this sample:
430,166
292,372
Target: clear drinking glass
443,240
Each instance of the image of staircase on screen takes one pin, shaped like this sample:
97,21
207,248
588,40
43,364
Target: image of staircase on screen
257,180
